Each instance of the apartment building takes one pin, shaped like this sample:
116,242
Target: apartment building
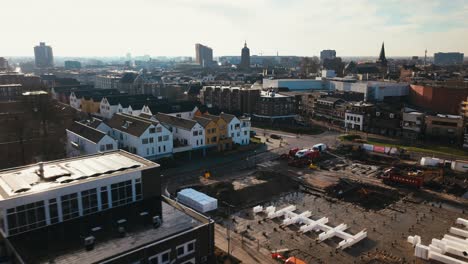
104,208
448,128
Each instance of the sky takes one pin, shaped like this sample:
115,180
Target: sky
289,27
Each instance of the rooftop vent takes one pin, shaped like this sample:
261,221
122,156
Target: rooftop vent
157,221
89,242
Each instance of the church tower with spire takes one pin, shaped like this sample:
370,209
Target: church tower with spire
382,59
245,57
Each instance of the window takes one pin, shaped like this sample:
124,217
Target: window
147,151
102,148
164,148
159,149
26,217
89,201
104,198
121,193
232,134
53,211
213,139
152,150
245,133
185,249
201,141
195,133
158,129
161,258
109,147
152,130
166,138
151,140
200,132
159,138
197,142
138,189
144,141
70,206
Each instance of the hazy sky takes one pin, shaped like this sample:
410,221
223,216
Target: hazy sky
291,27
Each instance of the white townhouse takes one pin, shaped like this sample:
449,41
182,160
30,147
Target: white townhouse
108,108
188,134
238,129
144,137
83,140
75,101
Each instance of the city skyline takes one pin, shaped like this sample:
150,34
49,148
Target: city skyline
171,28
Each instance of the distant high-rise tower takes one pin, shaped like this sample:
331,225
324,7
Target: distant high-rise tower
327,54
3,64
425,58
382,59
203,55
43,56
245,58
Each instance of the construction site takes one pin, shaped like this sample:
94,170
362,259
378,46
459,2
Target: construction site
341,204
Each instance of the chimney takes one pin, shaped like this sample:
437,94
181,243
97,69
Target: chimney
41,169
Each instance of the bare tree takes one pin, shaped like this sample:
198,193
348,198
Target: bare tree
309,65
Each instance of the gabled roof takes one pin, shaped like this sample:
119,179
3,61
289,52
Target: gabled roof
227,117
132,125
204,122
87,94
212,117
125,99
87,132
175,121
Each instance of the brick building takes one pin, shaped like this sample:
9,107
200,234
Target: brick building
440,97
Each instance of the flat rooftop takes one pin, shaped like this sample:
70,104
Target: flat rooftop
26,180
65,242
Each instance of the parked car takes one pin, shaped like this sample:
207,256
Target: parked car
274,136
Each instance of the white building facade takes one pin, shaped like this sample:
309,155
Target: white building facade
143,137
84,140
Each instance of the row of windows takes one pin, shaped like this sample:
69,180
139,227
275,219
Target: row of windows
106,147
33,215
152,150
197,133
155,130
353,118
151,140
181,251
26,217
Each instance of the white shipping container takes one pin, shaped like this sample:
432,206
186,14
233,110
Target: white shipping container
197,200
460,165
428,161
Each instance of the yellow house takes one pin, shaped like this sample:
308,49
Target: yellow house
211,130
224,141
90,104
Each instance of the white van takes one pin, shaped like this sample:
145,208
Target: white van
321,147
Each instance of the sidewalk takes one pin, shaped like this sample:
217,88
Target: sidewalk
246,251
